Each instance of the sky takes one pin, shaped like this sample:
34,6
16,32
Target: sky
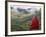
32,8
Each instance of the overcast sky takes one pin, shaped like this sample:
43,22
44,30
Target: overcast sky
32,8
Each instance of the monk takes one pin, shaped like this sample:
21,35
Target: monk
35,24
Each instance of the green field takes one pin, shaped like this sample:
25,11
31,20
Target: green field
22,24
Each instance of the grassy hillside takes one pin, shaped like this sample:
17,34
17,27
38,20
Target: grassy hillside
21,22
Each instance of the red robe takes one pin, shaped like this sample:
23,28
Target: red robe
35,23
